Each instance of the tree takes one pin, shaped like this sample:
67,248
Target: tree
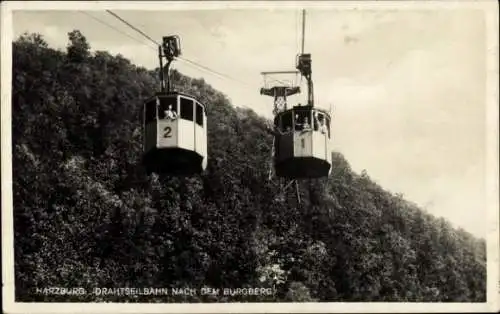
78,48
85,213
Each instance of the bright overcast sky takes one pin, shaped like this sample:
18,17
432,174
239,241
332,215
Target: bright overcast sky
408,87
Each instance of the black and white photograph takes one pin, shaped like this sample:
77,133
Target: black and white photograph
249,156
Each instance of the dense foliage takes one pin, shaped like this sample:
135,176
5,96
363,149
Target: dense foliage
86,215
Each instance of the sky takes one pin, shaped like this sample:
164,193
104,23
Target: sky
407,86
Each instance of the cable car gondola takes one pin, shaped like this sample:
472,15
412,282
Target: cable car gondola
175,125
301,136
302,143
302,147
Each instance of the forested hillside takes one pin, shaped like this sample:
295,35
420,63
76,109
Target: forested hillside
86,215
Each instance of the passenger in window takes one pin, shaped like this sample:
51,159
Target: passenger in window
320,121
305,125
302,126
170,114
317,122
322,127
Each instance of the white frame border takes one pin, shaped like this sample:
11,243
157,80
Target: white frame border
491,13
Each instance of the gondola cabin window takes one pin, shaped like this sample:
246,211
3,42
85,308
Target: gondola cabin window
187,108
318,121
302,120
168,108
199,114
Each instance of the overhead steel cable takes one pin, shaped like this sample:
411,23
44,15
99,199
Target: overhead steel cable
133,27
180,58
213,71
116,29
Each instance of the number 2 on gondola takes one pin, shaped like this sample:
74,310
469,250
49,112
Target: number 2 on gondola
167,130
